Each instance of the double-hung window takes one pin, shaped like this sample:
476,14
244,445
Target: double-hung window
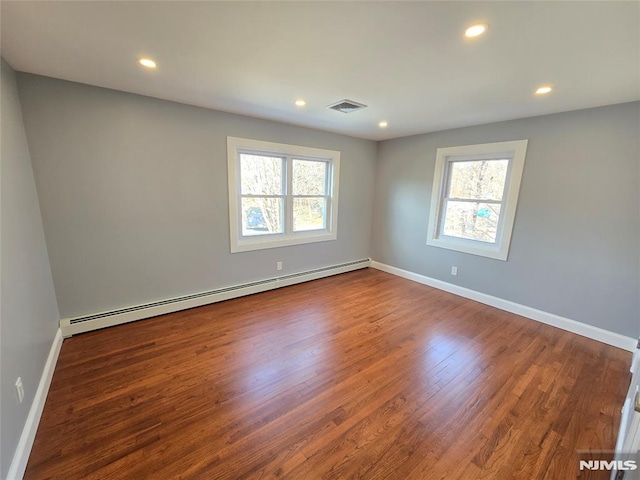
474,197
281,194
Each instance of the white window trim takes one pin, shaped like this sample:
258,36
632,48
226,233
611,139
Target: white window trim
240,243
516,152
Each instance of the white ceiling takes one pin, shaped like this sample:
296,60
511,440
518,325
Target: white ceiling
408,61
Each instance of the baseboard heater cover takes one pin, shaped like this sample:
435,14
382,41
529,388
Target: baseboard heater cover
86,323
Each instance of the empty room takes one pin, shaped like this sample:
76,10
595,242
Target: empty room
320,240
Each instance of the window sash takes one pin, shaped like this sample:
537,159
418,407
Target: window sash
325,219
449,176
261,154
327,174
287,197
445,198
467,239
241,214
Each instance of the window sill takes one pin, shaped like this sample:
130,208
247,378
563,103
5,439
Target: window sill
470,246
248,244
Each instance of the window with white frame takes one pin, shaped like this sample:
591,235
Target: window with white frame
281,194
474,197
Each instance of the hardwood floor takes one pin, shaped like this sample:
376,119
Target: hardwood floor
361,375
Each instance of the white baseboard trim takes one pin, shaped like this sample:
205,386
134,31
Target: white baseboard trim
589,331
72,326
23,450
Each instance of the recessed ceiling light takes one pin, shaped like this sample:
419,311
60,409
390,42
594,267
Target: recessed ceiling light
300,103
383,124
475,30
147,62
543,90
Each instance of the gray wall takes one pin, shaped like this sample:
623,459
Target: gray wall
574,249
133,195
133,192
28,313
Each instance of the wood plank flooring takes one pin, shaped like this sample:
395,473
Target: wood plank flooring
361,375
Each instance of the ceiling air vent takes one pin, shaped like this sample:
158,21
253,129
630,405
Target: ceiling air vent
347,106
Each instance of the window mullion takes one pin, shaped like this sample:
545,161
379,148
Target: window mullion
253,195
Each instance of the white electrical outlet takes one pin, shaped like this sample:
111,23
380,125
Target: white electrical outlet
454,271
20,389
279,266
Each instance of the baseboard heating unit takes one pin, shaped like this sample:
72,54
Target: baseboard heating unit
86,323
